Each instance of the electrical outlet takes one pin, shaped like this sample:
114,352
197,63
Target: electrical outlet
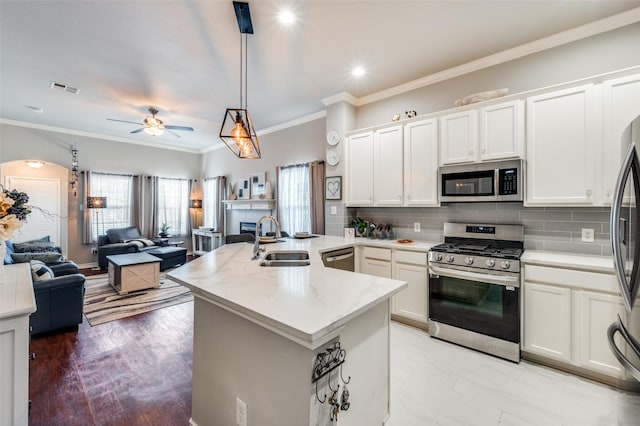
587,235
416,227
94,250
241,412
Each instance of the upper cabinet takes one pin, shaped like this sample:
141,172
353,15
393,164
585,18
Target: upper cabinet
493,132
458,137
359,169
387,166
563,148
421,163
502,131
620,107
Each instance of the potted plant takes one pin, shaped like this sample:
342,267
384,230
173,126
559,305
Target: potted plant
164,227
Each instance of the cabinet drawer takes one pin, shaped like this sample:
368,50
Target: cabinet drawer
413,257
572,278
376,253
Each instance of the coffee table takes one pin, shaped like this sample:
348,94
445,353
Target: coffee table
133,271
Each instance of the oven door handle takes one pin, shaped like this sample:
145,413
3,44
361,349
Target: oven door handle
510,281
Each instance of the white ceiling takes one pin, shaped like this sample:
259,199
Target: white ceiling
183,56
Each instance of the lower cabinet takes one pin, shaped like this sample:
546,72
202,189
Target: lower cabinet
410,304
566,316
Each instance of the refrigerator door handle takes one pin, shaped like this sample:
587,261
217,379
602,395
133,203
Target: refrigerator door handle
628,289
633,344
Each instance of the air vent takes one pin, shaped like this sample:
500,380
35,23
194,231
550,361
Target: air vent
64,87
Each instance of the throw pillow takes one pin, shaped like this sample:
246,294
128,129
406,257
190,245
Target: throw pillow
8,260
40,271
43,257
36,247
141,242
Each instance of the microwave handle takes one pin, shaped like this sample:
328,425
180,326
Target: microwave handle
474,276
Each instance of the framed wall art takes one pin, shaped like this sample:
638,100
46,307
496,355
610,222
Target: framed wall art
333,188
244,189
258,189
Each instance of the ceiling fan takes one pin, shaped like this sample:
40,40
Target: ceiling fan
154,126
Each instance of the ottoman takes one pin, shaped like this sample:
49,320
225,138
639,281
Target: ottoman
169,256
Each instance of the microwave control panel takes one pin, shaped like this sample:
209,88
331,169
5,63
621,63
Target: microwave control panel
508,181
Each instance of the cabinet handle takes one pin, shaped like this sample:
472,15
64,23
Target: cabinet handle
588,192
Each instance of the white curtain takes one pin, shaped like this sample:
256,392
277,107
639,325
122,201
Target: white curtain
294,199
173,205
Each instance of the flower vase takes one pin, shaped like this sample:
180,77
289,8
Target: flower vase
3,252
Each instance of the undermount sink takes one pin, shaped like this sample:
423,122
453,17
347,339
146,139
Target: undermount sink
286,258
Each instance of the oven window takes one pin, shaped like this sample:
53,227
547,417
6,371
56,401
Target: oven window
488,309
468,184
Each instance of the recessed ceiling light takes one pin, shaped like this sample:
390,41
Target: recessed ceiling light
358,71
34,108
286,17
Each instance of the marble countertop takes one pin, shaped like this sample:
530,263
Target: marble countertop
603,264
304,304
16,294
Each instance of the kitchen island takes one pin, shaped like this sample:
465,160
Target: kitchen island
258,331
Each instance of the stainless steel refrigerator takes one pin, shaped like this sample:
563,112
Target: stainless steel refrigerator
625,245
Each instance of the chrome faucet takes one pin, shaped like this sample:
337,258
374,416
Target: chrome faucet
256,244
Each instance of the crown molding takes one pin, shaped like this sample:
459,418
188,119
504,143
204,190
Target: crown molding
94,135
584,31
340,97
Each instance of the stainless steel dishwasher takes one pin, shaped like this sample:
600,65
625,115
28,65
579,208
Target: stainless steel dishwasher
339,259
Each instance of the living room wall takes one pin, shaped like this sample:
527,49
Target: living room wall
21,143
294,145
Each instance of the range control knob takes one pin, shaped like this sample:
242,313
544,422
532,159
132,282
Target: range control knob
450,258
505,264
490,263
468,260
438,257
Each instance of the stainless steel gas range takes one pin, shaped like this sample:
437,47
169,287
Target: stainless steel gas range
474,287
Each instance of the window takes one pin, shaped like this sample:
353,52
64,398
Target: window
210,203
117,190
294,199
173,205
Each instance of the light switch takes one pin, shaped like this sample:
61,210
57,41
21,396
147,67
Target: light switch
334,210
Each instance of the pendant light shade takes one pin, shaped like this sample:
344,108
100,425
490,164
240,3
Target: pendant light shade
237,130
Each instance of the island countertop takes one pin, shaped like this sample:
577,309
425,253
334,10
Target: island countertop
303,303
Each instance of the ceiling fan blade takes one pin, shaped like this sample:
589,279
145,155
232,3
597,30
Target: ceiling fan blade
185,128
173,133
138,130
123,121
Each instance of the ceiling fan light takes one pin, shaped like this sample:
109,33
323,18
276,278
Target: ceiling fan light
154,131
238,134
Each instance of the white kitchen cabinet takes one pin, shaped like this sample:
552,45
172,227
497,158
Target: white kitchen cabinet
388,166
547,320
412,302
376,261
502,131
564,165
458,137
621,106
421,163
359,169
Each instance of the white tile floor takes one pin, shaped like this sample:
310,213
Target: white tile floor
438,383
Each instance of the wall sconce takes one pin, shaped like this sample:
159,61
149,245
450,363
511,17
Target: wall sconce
35,164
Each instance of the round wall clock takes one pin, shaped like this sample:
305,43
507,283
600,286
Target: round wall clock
333,137
333,157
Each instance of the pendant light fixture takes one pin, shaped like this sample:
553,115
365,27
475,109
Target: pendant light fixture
237,130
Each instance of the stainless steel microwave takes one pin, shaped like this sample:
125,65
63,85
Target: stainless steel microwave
481,182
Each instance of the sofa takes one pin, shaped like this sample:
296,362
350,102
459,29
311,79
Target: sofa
59,294
130,240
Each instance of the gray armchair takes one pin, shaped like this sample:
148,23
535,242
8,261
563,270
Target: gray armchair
59,300
119,241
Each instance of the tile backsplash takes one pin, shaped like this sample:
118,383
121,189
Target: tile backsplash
556,229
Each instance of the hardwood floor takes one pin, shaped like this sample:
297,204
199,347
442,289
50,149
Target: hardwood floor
135,371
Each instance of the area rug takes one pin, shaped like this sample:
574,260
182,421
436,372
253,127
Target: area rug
102,303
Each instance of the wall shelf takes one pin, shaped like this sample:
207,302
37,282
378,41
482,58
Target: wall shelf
251,204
